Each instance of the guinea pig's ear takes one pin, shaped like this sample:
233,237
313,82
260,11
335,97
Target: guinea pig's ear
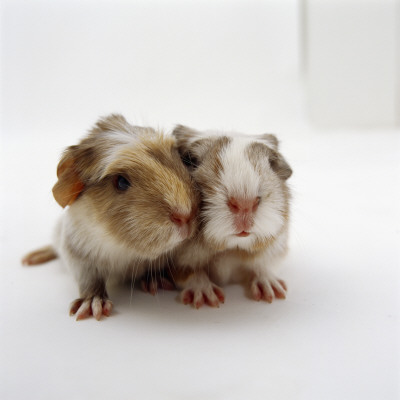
279,165
270,140
276,160
185,139
69,184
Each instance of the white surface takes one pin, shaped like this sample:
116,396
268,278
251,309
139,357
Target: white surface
66,62
336,335
353,64
229,66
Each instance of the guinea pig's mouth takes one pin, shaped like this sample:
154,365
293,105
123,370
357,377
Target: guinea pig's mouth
243,234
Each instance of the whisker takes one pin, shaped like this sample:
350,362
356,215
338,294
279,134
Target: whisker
132,283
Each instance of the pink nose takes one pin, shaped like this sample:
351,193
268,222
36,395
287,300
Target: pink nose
180,219
243,205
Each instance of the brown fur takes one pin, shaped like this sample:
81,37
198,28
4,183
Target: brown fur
69,184
257,151
181,275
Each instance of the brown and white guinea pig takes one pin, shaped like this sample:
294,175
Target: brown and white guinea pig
131,202
244,216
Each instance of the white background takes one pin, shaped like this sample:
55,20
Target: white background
260,66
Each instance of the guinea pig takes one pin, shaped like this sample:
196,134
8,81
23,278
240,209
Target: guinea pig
244,216
130,201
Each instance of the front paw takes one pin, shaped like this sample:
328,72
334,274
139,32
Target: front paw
200,294
93,305
267,288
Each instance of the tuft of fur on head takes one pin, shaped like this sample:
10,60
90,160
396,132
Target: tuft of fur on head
137,219
237,166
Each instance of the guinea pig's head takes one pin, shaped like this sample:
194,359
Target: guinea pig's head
242,179
132,182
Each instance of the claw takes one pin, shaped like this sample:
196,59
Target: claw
107,307
219,293
85,310
198,300
74,307
97,307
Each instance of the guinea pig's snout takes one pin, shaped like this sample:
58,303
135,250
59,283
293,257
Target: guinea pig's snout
183,222
180,219
243,205
243,210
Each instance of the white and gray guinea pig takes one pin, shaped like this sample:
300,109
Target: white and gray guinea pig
130,201
244,216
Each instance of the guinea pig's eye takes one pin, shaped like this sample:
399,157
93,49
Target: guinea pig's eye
121,183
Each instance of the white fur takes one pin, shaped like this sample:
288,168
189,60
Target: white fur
81,232
227,268
79,229
238,175
239,178
119,140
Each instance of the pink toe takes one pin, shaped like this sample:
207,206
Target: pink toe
107,308
219,293
187,297
75,305
199,302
